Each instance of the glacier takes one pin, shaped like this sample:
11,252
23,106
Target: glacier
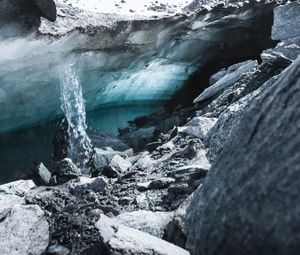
123,60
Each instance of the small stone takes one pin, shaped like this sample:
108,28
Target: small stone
162,183
125,200
143,186
44,174
58,250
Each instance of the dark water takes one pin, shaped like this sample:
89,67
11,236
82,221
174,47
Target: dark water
21,149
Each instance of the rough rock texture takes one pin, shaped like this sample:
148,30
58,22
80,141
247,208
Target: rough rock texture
153,223
22,16
23,230
121,240
247,202
199,126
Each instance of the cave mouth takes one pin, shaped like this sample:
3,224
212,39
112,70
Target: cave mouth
22,149
252,40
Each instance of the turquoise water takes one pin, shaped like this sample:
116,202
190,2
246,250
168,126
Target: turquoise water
21,149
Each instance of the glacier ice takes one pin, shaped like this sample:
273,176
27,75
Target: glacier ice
122,62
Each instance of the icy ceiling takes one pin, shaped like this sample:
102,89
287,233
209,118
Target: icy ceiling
121,60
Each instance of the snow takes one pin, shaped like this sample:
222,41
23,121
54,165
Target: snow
131,7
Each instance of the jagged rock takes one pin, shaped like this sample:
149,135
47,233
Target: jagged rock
235,73
259,170
65,170
47,9
103,140
286,20
24,230
43,174
119,164
189,174
139,138
121,240
198,126
227,124
103,157
58,250
176,231
161,183
18,188
97,184
152,146
150,222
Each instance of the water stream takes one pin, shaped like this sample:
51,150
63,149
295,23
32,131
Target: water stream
79,144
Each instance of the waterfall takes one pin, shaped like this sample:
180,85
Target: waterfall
79,144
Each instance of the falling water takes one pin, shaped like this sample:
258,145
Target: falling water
79,144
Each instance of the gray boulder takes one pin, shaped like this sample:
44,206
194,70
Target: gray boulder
248,202
198,126
286,23
150,222
234,74
23,230
19,188
121,240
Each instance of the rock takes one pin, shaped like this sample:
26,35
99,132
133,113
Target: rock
18,188
143,186
217,76
103,157
176,230
58,250
168,124
121,240
119,164
47,9
66,170
110,172
286,20
125,200
7,201
198,126
161,183
44,174
259,170
19,17
97,184
152,146
226,125
150,222
139,138
189,174
103,140
228,80
24,230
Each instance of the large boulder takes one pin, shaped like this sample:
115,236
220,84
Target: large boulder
248,202
153,223
23,230
121,240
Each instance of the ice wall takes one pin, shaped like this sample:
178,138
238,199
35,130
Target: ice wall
123,63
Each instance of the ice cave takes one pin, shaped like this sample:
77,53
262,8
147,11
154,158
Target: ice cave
149,127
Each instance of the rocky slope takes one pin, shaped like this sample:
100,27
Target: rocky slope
224,180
